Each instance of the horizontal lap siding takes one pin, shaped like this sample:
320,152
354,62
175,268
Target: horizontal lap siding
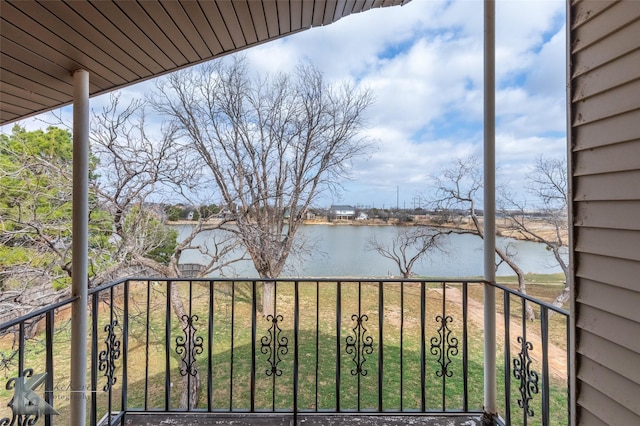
620,186
612,270
605,164
618,301
614,130
605,408
616,358
616,329
608,242
590,419
609,158
623,391
620,72
608,214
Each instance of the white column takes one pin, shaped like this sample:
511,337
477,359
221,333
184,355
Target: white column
489,209
79,259
573,403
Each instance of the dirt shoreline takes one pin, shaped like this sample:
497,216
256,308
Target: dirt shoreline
545,230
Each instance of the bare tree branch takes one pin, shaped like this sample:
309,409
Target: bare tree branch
409,246
272,145
547,183
458,187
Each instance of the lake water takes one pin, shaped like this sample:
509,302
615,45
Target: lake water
341,251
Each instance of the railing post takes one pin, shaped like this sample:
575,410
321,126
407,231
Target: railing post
79,260
489,213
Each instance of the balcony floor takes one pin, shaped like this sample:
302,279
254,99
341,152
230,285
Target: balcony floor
157,419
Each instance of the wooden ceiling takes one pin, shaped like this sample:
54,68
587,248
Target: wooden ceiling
125,42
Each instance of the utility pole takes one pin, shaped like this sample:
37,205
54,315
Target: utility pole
416,200
397,197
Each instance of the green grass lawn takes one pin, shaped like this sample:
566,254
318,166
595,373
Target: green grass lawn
320,351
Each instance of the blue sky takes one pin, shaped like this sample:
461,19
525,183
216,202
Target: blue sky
423,62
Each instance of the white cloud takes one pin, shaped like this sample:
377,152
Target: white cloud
550,78
416,87
424,64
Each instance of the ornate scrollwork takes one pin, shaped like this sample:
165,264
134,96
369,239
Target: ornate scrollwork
107,358
274,345
189,346
528,378
359,344
444,346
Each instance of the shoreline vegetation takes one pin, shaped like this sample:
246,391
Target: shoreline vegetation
541,227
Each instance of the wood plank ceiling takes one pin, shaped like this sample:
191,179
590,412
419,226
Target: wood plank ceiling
125,42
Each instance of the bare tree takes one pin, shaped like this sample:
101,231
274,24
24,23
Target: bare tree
458,187
408,246
547,183
133,166
126,230
272,145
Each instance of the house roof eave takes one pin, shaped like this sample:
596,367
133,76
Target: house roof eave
123,43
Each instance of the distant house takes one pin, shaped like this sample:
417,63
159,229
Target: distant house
362,216
342,212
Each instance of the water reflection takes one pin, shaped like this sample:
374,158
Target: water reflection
341,250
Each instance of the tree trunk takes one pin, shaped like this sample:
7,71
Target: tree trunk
522,286
561,298
268,297
190,376
529,313
564,294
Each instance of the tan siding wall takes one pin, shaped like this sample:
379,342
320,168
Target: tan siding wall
612,131
590,419
606,409
613,357
607,214
605,163
607,159
623,390
613,271
615,300
609,186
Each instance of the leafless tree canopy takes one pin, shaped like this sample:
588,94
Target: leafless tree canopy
272,144
458,187
133,166
547,185
408,246
548,182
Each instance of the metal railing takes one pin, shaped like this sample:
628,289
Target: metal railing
536,362
317,346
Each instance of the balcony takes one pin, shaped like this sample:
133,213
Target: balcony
325,352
